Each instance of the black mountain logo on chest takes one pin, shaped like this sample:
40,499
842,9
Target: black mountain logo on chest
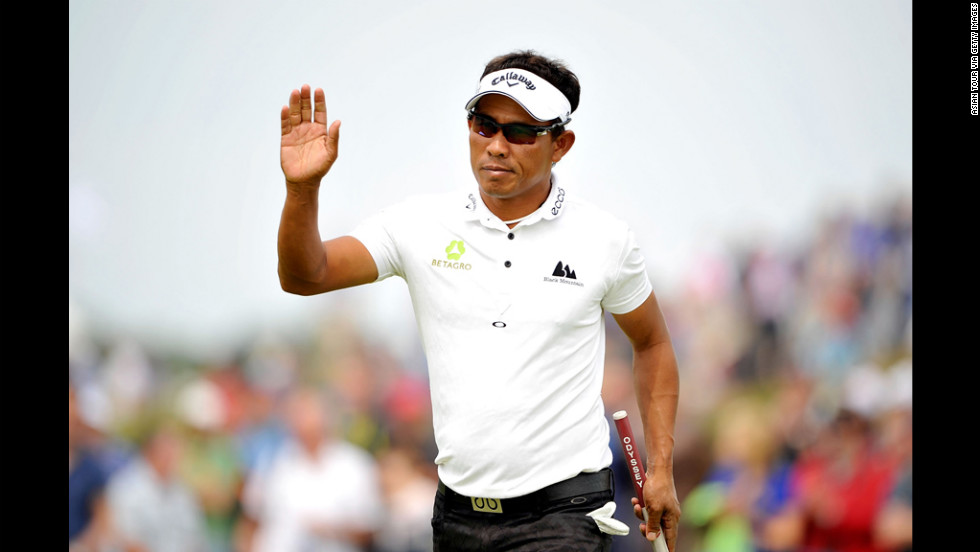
564,271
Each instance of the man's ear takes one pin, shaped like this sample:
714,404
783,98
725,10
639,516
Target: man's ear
562,144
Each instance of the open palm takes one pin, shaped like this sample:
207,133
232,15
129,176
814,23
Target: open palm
308,149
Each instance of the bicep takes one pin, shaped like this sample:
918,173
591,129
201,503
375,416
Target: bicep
645,325
348,264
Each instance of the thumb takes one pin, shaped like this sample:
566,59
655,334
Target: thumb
332,142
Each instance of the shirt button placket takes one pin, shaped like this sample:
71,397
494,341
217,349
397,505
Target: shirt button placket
507,282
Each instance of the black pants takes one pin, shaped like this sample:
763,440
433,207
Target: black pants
560,525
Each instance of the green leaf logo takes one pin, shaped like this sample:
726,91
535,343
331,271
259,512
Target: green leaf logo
455,245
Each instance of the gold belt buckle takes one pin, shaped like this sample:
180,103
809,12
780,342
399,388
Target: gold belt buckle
488,505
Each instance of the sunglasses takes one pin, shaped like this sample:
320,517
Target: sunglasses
515,133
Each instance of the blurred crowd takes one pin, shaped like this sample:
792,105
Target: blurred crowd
794,431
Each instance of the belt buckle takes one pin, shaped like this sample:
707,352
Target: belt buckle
487,505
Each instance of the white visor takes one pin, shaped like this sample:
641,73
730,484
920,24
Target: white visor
537,96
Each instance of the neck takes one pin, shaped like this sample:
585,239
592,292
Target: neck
160,469
311,447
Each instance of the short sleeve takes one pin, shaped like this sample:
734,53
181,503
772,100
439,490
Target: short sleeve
630,285
377,234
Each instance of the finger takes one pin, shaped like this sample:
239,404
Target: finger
670,531
306,106
671,538
319,107
294,115
653,521
284,117
333,135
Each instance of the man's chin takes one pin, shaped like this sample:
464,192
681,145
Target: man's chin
496,188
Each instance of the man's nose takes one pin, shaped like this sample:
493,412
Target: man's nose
498,146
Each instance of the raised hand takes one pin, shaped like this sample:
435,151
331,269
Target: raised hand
308,149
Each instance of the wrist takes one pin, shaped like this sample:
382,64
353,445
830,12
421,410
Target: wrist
660,456
313,183
660,470
303,191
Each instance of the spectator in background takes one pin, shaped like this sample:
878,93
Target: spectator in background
746,487
104,426
152,509
262,432
358,410
893,525
408,415
87,478
840,486
210,463
408,488
317,493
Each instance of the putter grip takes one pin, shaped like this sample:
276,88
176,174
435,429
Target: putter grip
634,464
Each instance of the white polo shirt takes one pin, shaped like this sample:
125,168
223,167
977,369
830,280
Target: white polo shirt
512,325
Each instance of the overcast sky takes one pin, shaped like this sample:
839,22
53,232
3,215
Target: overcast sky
701,123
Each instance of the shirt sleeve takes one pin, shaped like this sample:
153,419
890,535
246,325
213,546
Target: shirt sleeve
630,285
377,233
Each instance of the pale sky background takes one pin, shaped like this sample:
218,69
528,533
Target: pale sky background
703,124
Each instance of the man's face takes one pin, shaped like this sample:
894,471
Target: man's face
508,172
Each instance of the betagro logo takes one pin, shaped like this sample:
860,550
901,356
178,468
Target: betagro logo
458,246
454,251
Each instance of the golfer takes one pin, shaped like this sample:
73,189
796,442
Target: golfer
509,281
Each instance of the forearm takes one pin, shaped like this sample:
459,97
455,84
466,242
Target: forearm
657,389
302,259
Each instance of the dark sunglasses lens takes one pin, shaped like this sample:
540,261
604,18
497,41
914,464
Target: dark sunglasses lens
484,127
520,134
514,133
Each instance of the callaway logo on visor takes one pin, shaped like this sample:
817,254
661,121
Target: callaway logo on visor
537,96
513,79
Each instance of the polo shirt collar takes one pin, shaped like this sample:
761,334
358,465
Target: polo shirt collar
476,210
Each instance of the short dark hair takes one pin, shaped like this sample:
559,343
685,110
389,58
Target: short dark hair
552,70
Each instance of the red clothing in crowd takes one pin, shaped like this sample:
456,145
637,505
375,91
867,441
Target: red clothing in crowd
840,500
